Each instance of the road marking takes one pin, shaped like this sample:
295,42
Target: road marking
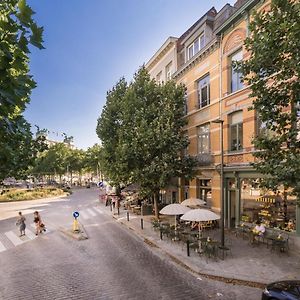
2,248
91,212
84,215
30,234
13,238
98,210
34,226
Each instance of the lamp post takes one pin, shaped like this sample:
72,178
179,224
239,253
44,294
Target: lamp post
219,121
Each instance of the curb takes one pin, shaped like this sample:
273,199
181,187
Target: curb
80,236
230,280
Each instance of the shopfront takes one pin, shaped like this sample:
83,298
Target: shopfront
246,202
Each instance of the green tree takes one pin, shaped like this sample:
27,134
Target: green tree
54,161
109,131
93,159
143,131
75,162
18,150
17,31
273,75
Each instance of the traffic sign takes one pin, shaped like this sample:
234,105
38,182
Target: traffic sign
75,214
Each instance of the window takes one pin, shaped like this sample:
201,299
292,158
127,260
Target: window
195,46
185,108
262,129
236,131
186,149
236,74
158,77
203,139
203,92
169,71
204,189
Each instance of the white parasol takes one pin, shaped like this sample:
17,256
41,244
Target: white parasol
200,215
174,210
193,202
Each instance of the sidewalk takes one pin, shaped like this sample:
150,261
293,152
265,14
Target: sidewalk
254,266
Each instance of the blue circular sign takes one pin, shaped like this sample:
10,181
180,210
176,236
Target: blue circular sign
75,214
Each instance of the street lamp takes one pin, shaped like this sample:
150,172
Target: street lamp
219,121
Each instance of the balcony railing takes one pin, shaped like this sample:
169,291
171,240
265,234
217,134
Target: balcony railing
204,159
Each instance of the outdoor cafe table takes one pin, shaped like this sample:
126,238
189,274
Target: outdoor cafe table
211,248
280,244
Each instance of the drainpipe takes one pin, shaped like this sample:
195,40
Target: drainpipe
220,77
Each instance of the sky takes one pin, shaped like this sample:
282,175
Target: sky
89,45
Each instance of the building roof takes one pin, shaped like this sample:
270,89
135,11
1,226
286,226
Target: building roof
166,46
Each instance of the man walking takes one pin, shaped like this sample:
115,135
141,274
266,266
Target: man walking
21,223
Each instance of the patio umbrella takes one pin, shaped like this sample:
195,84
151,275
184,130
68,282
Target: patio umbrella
192,202
200,215
174,210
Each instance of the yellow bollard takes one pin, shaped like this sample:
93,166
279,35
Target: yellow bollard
75,225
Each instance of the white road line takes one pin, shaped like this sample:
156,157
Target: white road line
33,226
13,238
30,234
2,248
98,210
91,212
84,215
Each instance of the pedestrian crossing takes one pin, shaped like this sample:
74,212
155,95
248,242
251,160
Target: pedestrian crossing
91,212
12,238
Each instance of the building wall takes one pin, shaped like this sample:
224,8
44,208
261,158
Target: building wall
160,67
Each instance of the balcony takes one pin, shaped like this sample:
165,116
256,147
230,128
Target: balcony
204,159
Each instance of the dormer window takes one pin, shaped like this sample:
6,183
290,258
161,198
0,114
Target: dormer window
195,46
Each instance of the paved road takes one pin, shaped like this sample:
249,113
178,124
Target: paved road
112,264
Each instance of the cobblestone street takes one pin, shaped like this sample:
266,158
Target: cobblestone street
112,264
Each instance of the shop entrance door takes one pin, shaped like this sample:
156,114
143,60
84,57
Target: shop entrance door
232,208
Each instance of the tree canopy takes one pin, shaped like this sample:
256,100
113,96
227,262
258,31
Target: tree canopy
140,129
273,75
18,30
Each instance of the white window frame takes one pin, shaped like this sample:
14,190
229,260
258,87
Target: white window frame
169,71
192,45
207,86
159,77
234,126
240,85
200,139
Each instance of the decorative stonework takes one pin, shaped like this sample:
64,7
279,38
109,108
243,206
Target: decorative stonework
235,158
235,39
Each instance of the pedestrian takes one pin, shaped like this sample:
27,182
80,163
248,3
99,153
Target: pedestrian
39,225
21,223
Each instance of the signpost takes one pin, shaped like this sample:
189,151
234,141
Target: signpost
75,222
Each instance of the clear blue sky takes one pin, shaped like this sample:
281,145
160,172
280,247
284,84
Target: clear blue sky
90,44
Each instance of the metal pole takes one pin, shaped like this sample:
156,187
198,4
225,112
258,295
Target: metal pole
222,187
188,248
128,216
142,220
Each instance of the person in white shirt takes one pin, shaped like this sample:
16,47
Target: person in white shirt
260,228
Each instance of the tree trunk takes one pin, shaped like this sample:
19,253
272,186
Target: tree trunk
156,205
71,177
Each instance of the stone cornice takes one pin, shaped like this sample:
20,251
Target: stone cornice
201,55
170,42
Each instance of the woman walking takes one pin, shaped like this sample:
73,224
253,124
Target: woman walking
21,223
39,226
